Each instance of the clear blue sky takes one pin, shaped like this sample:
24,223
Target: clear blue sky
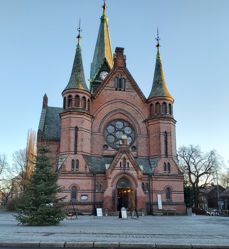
37,46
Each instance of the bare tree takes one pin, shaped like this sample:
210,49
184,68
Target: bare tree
24,160
6,190
14,177
3,164
199,169
224,179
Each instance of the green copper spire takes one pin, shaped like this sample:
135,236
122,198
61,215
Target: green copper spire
77,79
103,46
159,88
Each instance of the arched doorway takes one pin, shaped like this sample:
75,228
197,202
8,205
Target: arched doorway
125,194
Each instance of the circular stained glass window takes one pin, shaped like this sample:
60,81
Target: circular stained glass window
115,130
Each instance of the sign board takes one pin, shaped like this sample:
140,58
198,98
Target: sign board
99,212
124,213
84,197
159,202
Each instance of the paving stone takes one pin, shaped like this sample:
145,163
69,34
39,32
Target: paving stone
79,244
19,244
172,246
106,244
52,244
137,245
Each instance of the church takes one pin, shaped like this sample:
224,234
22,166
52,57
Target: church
112,146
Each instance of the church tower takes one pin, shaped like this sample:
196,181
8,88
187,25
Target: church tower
102,61
161,123
75,118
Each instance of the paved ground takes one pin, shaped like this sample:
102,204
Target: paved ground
147,231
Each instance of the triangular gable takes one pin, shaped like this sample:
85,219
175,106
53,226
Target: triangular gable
124,151
128,75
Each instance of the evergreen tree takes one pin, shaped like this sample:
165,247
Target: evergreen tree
40,205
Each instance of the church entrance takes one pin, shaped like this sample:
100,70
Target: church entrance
125,194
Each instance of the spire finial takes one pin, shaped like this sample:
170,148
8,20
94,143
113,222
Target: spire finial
158,39
104,7
79,31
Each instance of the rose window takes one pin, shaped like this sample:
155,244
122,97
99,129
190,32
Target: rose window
115,130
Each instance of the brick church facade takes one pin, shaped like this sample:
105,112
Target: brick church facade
112,146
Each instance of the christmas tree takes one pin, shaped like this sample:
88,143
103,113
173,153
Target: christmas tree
40,204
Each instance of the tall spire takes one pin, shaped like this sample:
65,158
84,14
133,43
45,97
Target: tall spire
159,88
103,50
77,79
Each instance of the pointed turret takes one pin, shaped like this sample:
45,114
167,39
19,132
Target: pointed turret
103,52
159,88
77,79
76,96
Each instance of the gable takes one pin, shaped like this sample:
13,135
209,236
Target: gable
124,161
111,84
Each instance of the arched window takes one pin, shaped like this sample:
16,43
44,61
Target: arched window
124,162
120,84
73,194
77,101
84,103
64,103
152,110
123,84
73,165
169,167
116,83
143,186
158,108
168,194
70,101
76,140
88,105
166,143
164,108
77,165
170,109
165,167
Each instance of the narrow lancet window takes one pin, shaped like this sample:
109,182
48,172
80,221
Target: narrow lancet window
158,108
73,194
76,140
169,167
164,108
77,101
84,103
170,109
70,101
168,194
88,105
73,165
64,104
166,143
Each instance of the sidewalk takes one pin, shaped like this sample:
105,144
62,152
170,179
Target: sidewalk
146,232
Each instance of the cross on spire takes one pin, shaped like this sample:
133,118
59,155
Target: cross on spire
79,31
104,7
158,39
